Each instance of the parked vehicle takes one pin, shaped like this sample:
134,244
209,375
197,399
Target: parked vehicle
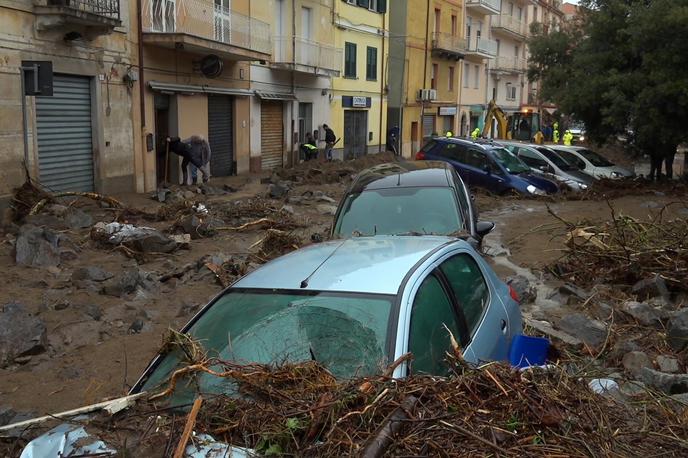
591,163
578,131
546,160
408,198
487,165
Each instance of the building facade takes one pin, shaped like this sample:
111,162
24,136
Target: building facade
358,99
425,70
80,138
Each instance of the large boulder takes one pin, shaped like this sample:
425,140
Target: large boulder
21,334
37,246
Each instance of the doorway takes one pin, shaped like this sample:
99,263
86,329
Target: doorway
161,103
355,133
415,144
305,120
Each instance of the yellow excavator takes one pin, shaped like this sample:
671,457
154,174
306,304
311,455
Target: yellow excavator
518,126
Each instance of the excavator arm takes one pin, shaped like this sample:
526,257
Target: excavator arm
493,111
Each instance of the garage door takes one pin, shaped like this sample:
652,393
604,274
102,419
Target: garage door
220,137
272,134
64,136
428,125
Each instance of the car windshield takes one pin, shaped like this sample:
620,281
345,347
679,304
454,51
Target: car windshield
556,159
594,158
345,332
572,159
510,161
398,211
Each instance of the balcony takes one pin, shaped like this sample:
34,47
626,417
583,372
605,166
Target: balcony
79,18
481,47
483,6
509,25
508,65
204,27
306,56
448,46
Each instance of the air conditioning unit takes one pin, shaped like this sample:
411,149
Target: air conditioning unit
427,95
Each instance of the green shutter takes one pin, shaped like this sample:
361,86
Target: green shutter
381,6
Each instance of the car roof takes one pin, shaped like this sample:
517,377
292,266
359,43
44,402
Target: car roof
403,174
375,265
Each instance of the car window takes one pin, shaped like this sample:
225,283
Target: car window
396,211
476,158
463,198
531,158
428,339
509,160
555,158
454,151
429,146
594,158
469,287
572,159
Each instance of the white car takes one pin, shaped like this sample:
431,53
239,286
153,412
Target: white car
590,162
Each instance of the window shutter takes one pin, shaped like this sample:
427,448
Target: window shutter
381,6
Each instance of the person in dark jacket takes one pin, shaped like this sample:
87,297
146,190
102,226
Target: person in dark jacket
191,154
330,140
200,148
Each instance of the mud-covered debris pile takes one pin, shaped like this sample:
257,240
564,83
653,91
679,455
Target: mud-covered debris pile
607,188
275,243
332,172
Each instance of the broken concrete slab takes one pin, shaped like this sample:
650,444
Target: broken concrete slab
547,329
643,313
592,332
21,334
668,364
37,247
573,290
634,361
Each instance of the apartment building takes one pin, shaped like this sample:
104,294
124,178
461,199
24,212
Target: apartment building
79,133
358,98
480,49
292,92
426,52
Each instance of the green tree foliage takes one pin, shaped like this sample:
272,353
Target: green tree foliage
623,63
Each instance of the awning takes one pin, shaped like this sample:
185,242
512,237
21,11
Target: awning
192,89
275,95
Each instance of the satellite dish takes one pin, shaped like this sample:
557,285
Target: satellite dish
211,66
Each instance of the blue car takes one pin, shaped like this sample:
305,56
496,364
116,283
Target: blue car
487,165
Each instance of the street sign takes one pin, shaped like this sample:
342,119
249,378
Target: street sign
359,102
38,77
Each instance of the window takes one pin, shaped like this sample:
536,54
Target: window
451,79
532,159
520,13
516,51
350,60
455,152
434,76
476,84
306,21
428,339
454,22
466,74
510,91
438,17
511,9
371,64
535,12
468,286
373,5
476,158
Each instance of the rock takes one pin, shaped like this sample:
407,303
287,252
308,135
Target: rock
136,326
77,219
592,332
199,226
652,287
128,283
37,246
677,331
288,209
620,349
137,238
634,361
91,273
21,334
277,191
56,299
641,312
633,388
94,311
668,383
525,291
547,329
668,364
326,209
573,290
161,194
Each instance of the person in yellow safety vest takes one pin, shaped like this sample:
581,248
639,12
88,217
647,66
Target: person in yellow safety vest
310,151
449,134
568,138
555,135
555,126
475,133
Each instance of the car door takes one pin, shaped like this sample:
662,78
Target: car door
455,154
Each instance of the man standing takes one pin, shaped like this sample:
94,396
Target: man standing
475,133
200,151
568,138
191,153
330,139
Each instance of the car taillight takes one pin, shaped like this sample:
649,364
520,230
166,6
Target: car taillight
514,294
420,155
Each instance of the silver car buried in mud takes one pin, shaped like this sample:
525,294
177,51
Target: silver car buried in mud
353,305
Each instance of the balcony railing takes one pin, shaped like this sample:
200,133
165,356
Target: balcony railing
509,64
206,19
448,42
485,6
104,8
510,24
481,46
308,53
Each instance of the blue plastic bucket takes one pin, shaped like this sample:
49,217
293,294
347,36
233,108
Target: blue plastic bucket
528,351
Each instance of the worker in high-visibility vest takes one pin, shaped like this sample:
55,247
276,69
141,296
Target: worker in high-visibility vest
568,138
475,133
449,134
555,126
555,135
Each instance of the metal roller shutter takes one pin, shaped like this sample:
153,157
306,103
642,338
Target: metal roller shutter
64,135
220,138
428,125
272,134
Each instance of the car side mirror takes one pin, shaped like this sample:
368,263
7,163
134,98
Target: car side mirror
484,227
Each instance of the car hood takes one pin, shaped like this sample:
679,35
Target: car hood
538,181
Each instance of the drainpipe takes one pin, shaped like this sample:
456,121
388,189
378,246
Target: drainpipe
142,88
382,78
293,83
